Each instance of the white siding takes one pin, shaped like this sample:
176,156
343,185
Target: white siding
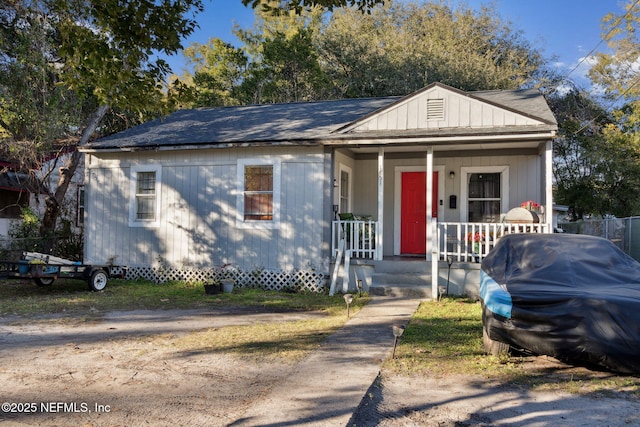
198,216
460,111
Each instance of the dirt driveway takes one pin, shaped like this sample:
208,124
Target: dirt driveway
125,370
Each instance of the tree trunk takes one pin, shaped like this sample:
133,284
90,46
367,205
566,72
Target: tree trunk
54,201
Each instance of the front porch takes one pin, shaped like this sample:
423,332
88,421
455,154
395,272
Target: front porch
450,265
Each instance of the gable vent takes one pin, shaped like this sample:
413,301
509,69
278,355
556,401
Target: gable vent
435,109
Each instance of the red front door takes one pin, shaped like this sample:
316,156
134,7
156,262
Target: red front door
413,215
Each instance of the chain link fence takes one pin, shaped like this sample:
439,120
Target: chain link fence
623,232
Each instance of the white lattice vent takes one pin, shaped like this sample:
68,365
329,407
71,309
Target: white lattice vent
276,280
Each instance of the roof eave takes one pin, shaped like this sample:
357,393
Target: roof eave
368,138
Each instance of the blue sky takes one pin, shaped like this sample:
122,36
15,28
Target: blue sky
567,29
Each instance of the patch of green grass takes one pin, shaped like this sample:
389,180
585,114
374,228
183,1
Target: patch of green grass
71,301
283,341
72,297
444,338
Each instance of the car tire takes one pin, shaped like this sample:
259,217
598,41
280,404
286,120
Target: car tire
98,280
494,348
44,281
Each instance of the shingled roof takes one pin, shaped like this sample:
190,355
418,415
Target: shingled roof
293,123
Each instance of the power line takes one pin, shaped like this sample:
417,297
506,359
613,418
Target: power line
618,21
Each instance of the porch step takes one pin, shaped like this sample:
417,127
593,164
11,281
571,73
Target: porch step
415,285
401,291
417,265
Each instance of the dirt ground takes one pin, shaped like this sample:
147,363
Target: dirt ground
124,370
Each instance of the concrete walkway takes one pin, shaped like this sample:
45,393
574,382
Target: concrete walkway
326,388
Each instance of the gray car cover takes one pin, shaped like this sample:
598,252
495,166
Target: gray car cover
572,297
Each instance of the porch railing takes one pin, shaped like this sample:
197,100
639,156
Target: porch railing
463,242
359,237
471,242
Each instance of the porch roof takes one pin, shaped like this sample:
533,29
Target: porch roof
318,122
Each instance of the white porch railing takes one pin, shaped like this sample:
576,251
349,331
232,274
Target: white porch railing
359,237
470,242
464,242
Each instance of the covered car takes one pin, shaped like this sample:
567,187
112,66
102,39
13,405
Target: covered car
572,297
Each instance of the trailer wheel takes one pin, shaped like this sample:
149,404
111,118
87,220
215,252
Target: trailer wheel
98,280
44,281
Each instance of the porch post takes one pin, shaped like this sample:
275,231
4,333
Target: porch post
429,199
432,243
379,251
548,186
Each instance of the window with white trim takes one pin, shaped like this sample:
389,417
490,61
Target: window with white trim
345,189
258,193
484,197
144,210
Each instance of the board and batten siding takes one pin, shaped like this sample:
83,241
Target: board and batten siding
458,111
198,214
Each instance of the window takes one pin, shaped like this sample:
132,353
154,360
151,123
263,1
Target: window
80,206
484,197
344,191
145,197
258,193
12,202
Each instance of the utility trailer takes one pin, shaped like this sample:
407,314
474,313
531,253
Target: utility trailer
45,269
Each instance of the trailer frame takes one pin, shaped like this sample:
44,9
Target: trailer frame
44,269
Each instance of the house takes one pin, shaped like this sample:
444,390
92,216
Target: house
19,190
15,194
278,188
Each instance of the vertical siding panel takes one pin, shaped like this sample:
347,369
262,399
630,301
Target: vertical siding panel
475,114
487,115
203,233
412,114
95,215
119,213
498,117
464,113
165,232
402,117
290,210
452,116
392,119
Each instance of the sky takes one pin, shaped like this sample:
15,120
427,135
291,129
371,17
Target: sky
565,29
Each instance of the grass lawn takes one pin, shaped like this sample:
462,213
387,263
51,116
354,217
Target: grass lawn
72,297
443,337
70,302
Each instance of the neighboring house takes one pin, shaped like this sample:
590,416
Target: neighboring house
15,194
429,175
72,207
19,190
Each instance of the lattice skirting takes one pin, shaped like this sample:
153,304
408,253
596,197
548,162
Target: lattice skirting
276,280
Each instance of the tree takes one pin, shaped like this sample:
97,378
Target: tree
287,71
299,5
97,54
277,63
218,72
403,46
578,152
81,62
396,49
616,73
